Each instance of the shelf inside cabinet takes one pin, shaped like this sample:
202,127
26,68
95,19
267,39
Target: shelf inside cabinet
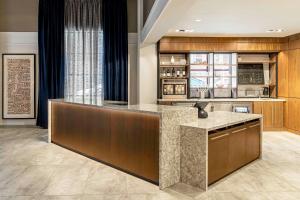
173,77
226,65
193,64
254,62
224,76
203,76
165,65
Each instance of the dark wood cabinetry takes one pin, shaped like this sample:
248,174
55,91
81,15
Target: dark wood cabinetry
237,147
252,141
126,140
218,150
231,149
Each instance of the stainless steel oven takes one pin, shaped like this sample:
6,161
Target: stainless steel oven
174,88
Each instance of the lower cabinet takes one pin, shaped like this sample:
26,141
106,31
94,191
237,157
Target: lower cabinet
237,147
218,155
230,149
253,141
272,114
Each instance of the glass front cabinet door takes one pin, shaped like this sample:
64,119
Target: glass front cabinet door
213,75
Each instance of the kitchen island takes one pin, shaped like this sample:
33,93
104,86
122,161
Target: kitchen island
161,144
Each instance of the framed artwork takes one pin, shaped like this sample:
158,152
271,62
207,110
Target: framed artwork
18,86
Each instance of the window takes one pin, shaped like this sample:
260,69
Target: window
83,52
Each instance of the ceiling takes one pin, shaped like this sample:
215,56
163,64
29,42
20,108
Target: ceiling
228,18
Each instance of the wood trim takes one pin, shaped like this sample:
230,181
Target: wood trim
293,131
294,41
273,129
216,44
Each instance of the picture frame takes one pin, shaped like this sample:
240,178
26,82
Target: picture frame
18,86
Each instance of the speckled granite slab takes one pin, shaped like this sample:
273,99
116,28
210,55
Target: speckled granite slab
220,119
194,156
169,160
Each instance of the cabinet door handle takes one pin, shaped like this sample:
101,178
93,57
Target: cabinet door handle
218,137
254,125
242,129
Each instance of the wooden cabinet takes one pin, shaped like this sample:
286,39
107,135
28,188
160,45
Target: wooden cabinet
294,114
283,74
272,114
237,147
218,150
231,149
278,115
294,75
225,44
253,141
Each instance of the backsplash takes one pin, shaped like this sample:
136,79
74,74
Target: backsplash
254,90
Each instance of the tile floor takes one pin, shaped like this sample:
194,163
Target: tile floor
31,169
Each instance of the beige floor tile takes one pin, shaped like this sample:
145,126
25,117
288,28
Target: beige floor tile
31,181
138,186
68,180
31,169
106,180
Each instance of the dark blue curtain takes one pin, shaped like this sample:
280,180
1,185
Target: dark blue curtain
51,56
115,41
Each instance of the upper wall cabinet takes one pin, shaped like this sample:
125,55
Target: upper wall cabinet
189,44
294,76
283,74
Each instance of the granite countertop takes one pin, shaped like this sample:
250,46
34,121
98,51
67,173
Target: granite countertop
221,119
150,108
223,100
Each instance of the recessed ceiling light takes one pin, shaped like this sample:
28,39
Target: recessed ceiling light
275,30
198,20
184,30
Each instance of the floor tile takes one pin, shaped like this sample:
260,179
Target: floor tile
32,169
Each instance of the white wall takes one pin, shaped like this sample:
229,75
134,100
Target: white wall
18,42
132,74
148,74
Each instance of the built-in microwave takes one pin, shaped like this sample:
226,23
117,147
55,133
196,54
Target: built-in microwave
174,89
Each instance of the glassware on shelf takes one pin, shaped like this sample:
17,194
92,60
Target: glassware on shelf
173,72
168,73
172,59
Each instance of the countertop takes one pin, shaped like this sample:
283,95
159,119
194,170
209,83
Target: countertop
150,108
221,119
222,100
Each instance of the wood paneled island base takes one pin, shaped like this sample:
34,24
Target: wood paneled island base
143,140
